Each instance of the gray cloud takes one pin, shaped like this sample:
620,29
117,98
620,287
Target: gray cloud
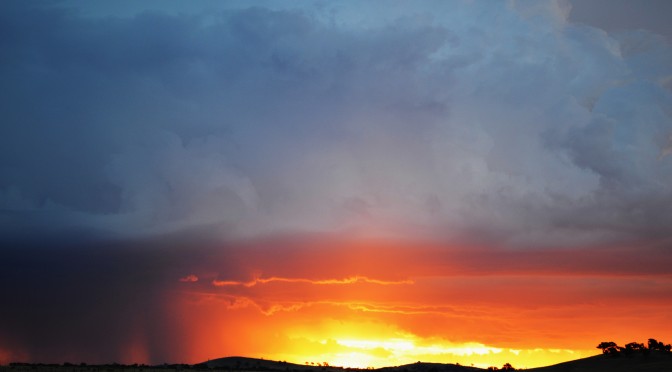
619,15
505,121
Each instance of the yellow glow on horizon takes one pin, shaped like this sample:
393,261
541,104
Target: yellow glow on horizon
363,358
377,353
353,360
394,345
362,306
401,347
345,339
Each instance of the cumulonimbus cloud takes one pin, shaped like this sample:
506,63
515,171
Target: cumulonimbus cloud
505,123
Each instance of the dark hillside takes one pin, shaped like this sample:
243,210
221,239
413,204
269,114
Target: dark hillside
654,362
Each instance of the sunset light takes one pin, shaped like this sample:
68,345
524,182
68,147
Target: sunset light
300,186
521,307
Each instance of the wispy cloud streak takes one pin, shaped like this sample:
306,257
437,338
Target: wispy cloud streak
344,281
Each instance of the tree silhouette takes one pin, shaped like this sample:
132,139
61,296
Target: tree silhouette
634,347
659,345
508,367
655,345
609,348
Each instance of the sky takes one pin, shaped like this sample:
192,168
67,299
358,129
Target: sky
362,183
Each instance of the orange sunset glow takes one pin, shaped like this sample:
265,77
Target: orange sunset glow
374,304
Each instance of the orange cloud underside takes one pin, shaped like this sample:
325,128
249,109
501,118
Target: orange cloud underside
375,304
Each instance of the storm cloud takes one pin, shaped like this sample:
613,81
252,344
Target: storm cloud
499,122
183,182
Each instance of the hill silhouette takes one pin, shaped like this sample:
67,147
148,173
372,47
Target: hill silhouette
655,361
237,363
242,363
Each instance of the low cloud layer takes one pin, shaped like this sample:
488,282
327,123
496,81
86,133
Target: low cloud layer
485,122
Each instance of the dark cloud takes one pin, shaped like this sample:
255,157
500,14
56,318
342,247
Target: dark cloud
82,299
508,122
67,300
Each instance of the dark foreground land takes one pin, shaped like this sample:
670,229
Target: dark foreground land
654,362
